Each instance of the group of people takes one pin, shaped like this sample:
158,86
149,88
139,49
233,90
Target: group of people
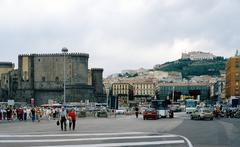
27,113
67,119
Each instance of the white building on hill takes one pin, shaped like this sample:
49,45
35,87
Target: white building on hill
197,55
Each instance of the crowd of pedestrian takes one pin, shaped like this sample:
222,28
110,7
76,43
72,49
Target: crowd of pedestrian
28,113
65,118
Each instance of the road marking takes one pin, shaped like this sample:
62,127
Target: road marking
59,135
86,139
124,144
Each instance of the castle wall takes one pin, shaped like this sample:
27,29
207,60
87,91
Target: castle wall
41,77
79,92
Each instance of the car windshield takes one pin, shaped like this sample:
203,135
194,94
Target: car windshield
204,110
149,110
191,103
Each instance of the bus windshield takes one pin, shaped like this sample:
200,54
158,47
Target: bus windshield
158,104
191,103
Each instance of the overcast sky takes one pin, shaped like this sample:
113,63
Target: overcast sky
119,34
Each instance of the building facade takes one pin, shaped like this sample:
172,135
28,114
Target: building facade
5,67
232,76
123,92
219,91
41,77
143,92
176,91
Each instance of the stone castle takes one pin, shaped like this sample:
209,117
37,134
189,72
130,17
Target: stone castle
41,77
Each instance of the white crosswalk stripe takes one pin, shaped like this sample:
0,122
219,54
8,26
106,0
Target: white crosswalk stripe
93,139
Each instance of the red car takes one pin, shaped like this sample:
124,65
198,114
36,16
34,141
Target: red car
150,113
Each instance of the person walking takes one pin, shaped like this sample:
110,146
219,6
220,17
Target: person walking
136,111
24,114
33,114
9,114
63,119
38,114
72,120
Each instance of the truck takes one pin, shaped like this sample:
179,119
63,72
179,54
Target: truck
234,101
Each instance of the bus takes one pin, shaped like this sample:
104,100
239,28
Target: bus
191,105
161,107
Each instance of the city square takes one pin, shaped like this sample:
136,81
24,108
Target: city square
104,73
123,129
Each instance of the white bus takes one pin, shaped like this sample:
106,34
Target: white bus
191,105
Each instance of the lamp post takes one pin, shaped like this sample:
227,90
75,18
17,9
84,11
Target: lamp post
64,51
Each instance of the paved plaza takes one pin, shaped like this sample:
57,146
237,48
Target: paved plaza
124,131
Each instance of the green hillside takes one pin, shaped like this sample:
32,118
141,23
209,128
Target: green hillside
194,68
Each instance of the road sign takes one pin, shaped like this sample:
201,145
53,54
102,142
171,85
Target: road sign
32,101
11,102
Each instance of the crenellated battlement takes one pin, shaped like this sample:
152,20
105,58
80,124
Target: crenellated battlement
56,54
96,69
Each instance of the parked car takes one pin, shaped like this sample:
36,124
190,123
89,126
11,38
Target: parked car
120,111
202,113
175,107
150,113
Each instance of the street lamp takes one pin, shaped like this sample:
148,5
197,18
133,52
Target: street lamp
64,51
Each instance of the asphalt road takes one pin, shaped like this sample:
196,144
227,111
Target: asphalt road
124,131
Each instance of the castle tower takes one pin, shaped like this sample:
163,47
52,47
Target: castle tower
97,83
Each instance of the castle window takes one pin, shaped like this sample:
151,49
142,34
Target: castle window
57,79
43,79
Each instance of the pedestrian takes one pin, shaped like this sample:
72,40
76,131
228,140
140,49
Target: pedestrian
38,114
4,114
54,112
33,114
24,114
20,112
72,120
48,114
1,114
63,119
9,113
136,111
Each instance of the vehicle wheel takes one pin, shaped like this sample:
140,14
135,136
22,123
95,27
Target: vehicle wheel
211,118
144,118
198,117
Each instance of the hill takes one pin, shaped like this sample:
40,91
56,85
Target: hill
194,67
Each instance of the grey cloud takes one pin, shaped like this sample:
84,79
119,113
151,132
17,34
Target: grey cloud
120,34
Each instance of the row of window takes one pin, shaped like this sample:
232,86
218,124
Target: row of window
44,79
144,92
120,92
120,86
139,86
183,88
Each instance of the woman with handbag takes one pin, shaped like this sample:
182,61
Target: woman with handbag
72,120
63,119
